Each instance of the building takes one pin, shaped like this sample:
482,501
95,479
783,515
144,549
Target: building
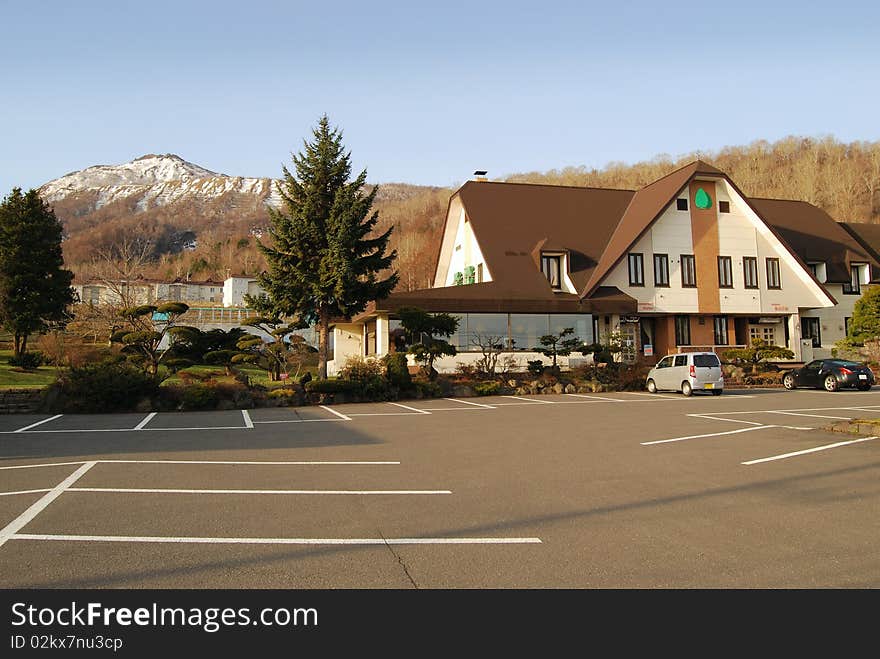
688,262
148,291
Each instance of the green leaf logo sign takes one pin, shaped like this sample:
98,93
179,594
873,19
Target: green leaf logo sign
702,199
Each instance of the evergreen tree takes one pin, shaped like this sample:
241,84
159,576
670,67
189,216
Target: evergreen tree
34,288
323,261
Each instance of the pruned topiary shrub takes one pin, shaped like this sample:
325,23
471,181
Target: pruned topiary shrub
108,386
488,388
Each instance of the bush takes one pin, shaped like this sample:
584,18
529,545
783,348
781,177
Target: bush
198,397
28,360
332,387
358,369
397,370
428,388
281,393
535,366
108,386
488,388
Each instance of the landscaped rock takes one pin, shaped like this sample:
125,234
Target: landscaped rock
570,389
463,390
513,384
558,388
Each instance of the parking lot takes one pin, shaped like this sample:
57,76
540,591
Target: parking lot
574,490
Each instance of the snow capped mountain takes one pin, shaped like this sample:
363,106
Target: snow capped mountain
155,180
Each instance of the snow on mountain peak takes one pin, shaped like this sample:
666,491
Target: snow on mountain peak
158,179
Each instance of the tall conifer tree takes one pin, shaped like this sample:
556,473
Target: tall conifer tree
324,261
34,287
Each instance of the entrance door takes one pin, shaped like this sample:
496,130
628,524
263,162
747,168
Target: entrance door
628,342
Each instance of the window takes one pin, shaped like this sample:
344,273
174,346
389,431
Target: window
681,360
661,270
750,271
479,273
636,270
666,362
551,266
766,333
720,330
707,361
681,204
688,271
854,286
723,206
725,272
810,329
773,280
682,330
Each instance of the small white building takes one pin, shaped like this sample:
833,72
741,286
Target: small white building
235,288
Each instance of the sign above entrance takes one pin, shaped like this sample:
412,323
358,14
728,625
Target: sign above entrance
629,319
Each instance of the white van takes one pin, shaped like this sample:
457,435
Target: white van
687,372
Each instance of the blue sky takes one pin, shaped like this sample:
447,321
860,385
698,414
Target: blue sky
425,93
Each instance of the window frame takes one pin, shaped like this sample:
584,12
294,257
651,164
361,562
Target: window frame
687,329
725,267
723,206
722,338
690,258
854,285
682,201
638,258
663,260
817,323
750,269
774,261
558,259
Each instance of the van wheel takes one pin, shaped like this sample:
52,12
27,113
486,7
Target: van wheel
831,383
717,392
652,388
686,388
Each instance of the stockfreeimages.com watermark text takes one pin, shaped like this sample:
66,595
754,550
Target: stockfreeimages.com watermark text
209,619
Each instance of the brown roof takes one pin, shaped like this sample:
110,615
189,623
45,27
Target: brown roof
509,220
493,297
868,236
644,207
814,236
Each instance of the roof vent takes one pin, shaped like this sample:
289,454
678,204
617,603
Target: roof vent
480,175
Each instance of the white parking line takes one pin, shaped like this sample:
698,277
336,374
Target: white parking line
146,420
467,402
598,398
247,419
248,462
8,494
39,423
713,434
718,418
299,420
38,506
414,409
279,541
332,411
809,450
45,464
530,400
141,490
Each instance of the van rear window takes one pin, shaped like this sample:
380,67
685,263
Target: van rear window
706,360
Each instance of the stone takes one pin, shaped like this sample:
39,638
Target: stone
558,388
570,389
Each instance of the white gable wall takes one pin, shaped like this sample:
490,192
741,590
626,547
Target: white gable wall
461,251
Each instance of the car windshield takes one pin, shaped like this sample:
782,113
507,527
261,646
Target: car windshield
706,360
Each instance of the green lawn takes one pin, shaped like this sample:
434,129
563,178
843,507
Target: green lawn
12,379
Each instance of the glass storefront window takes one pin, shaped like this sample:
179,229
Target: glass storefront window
481,326
581,322
526,329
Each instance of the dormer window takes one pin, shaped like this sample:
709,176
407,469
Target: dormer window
818,270
551,266
854,287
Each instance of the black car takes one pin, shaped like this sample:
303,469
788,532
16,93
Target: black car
830,374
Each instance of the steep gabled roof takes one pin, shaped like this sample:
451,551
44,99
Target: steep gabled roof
813,235
510,220
645,206
868,236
